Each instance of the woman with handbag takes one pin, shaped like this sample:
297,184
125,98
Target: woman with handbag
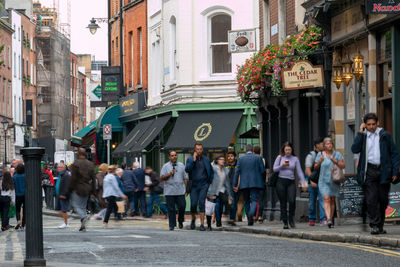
286,164
7,199
325,162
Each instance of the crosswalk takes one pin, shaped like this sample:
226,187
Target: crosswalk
11,247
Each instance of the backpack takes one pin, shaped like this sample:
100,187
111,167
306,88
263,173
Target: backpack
46,179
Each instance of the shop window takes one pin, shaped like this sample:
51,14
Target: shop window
220,57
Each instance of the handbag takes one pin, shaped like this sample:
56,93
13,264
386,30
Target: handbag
210,207
337,174
273,179
121,206
314,176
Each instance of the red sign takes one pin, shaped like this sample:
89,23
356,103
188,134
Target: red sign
382,6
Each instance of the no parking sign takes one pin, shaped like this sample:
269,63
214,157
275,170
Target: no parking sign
107,132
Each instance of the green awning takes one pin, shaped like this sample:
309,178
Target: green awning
78,137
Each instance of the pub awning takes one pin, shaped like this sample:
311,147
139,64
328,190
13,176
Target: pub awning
214,129
132,139
253,133
151,133
84,136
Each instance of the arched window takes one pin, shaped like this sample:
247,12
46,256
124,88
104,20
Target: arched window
220,57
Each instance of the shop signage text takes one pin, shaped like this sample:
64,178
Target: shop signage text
382,6
132,103
242,41
110,83
302,75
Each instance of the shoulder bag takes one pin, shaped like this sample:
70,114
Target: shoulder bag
337,174
273,179
314,176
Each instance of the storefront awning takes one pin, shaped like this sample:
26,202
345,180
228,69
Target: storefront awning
214,129
80,137
151,133
253,133
132,139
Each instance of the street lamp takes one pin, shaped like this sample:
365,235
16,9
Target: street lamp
5,126
93,26
24,126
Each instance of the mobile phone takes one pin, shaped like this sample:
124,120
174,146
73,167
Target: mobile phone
286,161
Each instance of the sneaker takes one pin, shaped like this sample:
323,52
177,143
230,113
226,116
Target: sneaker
202,228
63,226
82,229
323,223
311,223
17,227
180,225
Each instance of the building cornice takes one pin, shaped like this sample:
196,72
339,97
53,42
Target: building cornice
131,4
5,25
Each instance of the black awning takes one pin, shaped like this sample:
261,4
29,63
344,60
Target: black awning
132,139
152,131
214,129
252,133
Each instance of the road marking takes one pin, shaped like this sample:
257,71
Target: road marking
3,247
16,248
376,250
134,236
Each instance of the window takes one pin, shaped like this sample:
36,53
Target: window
15,31
34,74
131,57
19,34
9,90
19,67
9,57
172,52
31,73
220,57
116,42
31,43
140,55
15,64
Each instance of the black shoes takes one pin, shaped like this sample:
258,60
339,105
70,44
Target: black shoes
202,228
285,226
171,228
375,230
291,223
219,224
180,225
382,231
232,223
193,225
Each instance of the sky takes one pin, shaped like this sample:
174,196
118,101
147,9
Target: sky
82,11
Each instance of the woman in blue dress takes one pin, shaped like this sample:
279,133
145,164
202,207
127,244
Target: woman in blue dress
329,190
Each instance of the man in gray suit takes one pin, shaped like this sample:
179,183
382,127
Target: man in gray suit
249,178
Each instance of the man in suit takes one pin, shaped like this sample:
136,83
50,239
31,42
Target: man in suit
140,189
201,175
249,178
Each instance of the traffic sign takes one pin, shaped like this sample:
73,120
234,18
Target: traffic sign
97,91
107,133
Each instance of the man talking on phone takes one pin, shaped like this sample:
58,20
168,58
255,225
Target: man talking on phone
377,168
201,174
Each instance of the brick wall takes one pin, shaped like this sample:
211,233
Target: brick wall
290,17
274,19
261,22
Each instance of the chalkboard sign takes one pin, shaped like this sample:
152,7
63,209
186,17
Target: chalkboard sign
351,197
393,209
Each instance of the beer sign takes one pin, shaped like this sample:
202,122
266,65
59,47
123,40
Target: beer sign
302,75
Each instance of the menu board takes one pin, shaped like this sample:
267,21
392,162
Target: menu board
351,197
393,209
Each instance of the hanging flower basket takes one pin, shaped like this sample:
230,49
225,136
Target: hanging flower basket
263,71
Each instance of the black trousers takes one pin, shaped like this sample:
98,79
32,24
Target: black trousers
286,190
20,202
172,202
111,205
261,202
4,208
377,196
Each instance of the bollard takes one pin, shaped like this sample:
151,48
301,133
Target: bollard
34,255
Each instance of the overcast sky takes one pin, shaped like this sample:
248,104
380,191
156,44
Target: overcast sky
82,41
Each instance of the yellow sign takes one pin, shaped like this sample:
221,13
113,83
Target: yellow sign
302,75
202,132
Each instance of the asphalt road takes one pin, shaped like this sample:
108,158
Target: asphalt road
150,243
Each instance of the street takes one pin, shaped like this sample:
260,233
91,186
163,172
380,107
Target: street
150,243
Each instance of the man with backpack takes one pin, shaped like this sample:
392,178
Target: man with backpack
314,194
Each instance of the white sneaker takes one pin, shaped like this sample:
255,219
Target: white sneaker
62,226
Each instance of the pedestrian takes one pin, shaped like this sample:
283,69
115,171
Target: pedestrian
314,195
111,191
128,181
219,190
329,190
175,180
263,192
19,184
118,176
231,166
287,164
62,196
103,168
155,189
249,178
201,175
82,185
378,167
140,189
7,199
48,186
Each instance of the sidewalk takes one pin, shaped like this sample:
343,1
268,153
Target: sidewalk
350,231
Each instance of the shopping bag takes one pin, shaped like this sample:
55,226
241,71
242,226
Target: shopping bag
121,206
210,207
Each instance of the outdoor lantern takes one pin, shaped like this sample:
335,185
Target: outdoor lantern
5,124
93,26
337,73
358,70
53,131
347,74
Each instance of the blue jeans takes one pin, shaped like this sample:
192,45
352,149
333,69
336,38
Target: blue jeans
250,197
131,199
235,199
140,196
156,198
312,204
198,198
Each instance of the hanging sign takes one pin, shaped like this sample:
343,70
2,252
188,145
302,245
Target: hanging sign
302,75
242,41
382,6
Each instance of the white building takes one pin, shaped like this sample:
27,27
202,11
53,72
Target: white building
188,53
17,79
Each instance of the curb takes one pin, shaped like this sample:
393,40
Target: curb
318,236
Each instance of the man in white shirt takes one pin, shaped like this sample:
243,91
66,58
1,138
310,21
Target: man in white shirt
378,166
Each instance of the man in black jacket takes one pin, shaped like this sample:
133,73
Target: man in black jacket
62,201
377,168
155,191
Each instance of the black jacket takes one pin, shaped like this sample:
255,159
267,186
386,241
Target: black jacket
155,187
64,184
389,156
